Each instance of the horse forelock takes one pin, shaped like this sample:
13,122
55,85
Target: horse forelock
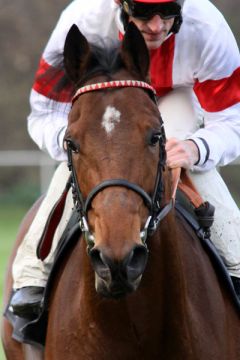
106,59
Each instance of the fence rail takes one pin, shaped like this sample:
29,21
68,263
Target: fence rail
13,158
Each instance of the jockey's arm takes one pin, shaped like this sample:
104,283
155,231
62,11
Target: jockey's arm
47,125
217,88
47,121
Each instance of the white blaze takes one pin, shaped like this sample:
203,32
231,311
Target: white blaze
110,118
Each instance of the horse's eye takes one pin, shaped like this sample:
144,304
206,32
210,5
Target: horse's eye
72,146
154,140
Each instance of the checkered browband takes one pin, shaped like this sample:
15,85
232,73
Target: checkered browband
112,84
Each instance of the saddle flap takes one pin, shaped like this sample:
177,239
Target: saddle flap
54,218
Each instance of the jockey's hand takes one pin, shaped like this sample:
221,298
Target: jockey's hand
181,153
117,1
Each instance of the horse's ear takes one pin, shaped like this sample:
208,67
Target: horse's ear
76,54
135,52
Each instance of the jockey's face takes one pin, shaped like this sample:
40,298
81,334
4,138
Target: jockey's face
154,30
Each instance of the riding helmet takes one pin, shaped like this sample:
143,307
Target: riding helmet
132,7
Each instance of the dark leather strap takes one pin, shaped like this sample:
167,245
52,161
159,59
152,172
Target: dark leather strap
181,180
117,182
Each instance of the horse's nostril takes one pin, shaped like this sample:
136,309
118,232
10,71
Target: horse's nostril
128,270
136,262
99,264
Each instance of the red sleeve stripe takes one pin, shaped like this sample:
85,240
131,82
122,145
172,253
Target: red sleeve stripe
47,80
218,95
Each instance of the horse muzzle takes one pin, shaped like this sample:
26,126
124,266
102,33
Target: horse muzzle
117,278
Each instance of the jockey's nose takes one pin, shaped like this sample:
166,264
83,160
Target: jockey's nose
156,24
127,270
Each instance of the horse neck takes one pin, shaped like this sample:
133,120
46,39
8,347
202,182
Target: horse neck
165,264
160,305
163,285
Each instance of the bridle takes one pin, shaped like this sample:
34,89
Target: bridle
156,212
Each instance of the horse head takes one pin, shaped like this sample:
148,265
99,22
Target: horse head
113,145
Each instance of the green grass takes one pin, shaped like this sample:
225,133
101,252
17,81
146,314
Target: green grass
10,217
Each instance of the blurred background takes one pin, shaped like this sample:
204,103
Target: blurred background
24,171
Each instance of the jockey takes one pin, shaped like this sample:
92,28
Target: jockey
195,69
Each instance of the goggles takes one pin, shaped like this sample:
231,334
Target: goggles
145,12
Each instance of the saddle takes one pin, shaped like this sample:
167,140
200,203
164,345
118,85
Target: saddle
189,205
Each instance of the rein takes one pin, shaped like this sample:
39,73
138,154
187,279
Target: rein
156,212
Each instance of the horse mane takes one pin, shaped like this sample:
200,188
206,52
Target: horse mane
105,60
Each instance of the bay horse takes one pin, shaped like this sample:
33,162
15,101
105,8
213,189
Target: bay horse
132,287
